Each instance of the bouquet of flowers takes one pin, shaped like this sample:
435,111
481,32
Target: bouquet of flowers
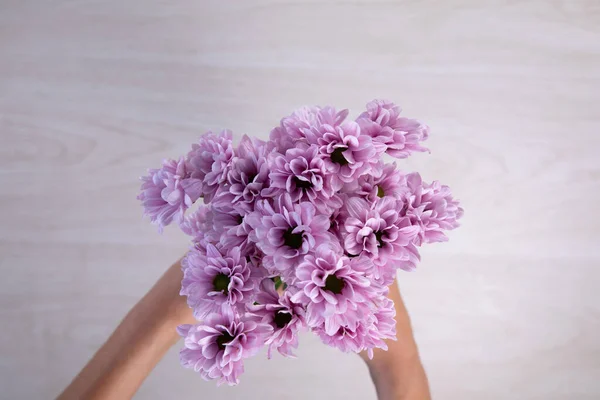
304,231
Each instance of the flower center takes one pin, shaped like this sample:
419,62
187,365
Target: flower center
300,184
221,283
291,239
380,192
279,284
379,237
334,284
251,177
281,319
223,340
337,156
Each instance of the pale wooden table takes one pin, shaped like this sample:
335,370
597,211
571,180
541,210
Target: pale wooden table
93,92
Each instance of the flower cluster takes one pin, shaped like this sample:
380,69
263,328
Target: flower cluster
304,231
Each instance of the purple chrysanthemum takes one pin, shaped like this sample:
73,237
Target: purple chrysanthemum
217,347
383,326
397,136
367,333
229,227
385,180
432,208
286,232
346,153
378,231
338,217
298,126
301,173
349,338
165,195
335,294
248,175
285,317
213,281
409,264
197,225
254,255
210,160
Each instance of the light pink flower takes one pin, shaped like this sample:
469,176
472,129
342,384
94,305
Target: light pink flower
213,281
379,231
230,228
197,224
346,153
409,264
283,315
432,208
349,338
367,333
164,193
298,126
397,136
301,173
287,232
217,347
384,325
334,292
384,180
209,161
247,176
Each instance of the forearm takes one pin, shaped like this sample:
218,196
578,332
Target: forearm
398,373
118,369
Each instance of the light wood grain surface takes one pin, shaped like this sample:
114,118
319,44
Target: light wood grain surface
93,92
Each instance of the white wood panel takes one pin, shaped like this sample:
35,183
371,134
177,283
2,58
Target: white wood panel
93,92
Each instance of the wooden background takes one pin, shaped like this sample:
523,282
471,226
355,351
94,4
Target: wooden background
92,92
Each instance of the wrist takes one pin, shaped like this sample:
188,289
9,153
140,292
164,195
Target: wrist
165,302
399,379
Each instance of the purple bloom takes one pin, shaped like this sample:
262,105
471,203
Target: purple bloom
217,347
301,173
284,316
197,225
432,208
368,332
409,264
165,195
229,227
338,217
335,294
286,232
254,255
349,338
383,326
385,180
213,281
210,160
378,231
346,153
298,126
248,175
397,136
